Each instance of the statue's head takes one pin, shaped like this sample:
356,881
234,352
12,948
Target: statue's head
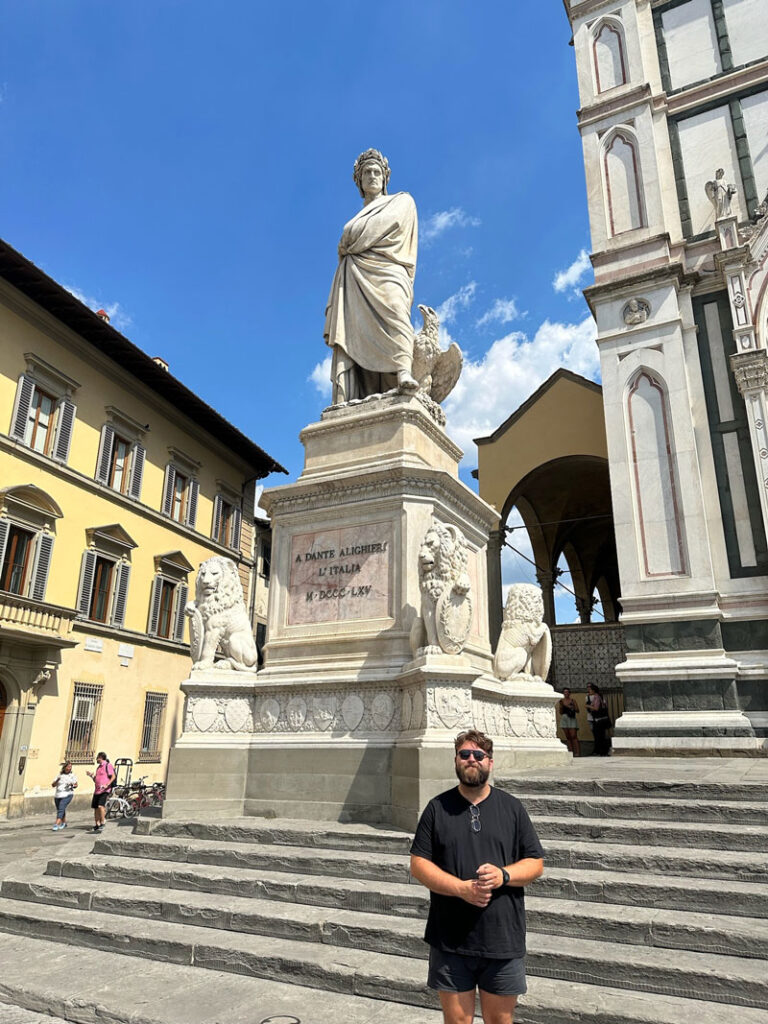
374,156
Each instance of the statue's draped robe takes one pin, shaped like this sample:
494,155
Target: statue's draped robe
368,318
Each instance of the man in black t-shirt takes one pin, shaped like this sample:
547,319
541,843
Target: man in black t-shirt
474,849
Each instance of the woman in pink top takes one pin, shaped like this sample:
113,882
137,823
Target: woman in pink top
103,781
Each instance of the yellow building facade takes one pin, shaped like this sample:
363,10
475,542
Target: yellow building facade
116,482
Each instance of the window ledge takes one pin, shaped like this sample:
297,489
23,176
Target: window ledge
130,635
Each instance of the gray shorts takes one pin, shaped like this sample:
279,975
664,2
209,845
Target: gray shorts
454,972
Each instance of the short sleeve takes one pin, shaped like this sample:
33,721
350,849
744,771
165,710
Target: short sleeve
529,843
422,841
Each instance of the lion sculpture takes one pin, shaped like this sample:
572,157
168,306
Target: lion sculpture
525,644
218,620
446,602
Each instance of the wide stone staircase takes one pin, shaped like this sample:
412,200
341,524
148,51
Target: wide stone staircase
653,906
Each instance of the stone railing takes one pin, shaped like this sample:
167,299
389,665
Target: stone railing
36,616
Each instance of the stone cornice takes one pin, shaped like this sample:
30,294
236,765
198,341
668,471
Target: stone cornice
722,87
674,272
624,100
370,411
373,485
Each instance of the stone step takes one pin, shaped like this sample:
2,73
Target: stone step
392,933
283,832
704,895
685,834
664,891
103,986
740,866
370,896
634,789
661,860
293,859
730,980
721,812
175,994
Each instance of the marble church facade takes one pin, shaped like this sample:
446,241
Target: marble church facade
674,125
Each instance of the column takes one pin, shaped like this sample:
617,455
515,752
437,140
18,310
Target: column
495,602
547,583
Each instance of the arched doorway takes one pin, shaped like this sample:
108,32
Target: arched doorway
3,706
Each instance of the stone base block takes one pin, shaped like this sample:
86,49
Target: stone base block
688,733
332,751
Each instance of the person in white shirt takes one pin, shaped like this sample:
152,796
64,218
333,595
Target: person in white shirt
65,784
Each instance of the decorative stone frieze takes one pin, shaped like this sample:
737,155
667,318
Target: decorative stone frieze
750,370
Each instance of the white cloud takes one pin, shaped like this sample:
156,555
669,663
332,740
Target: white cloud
503,311
442,221
571,276
321,377
461,299
490,389
118,318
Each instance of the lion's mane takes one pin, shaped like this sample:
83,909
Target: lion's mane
524,604
228,594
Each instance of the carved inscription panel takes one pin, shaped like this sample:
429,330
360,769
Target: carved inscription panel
338,575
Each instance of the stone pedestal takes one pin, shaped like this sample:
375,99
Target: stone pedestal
343,722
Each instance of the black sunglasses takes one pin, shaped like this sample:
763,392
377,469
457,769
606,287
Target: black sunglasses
479,755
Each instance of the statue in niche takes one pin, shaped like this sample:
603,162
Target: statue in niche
218,620
368,317
525,644
720,194
635,312
446,602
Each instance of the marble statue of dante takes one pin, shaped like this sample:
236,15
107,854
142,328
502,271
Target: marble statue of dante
368,317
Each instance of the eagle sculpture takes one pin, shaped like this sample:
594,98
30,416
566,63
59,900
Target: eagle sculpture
437,371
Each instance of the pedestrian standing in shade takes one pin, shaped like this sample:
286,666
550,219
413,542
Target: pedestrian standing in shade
567,711
599,720
103,781
64,785
474,849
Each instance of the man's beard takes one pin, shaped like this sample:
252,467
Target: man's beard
473,779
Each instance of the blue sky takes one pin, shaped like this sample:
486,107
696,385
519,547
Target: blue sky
188,167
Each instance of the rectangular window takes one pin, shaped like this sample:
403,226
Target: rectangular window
42,414
224,532
179,501
84,723
152,728
17,559
102,590
118,470
165,619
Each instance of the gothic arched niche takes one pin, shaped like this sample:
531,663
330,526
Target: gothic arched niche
623,183
608,55
657,500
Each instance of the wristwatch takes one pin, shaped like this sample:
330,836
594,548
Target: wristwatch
504,876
